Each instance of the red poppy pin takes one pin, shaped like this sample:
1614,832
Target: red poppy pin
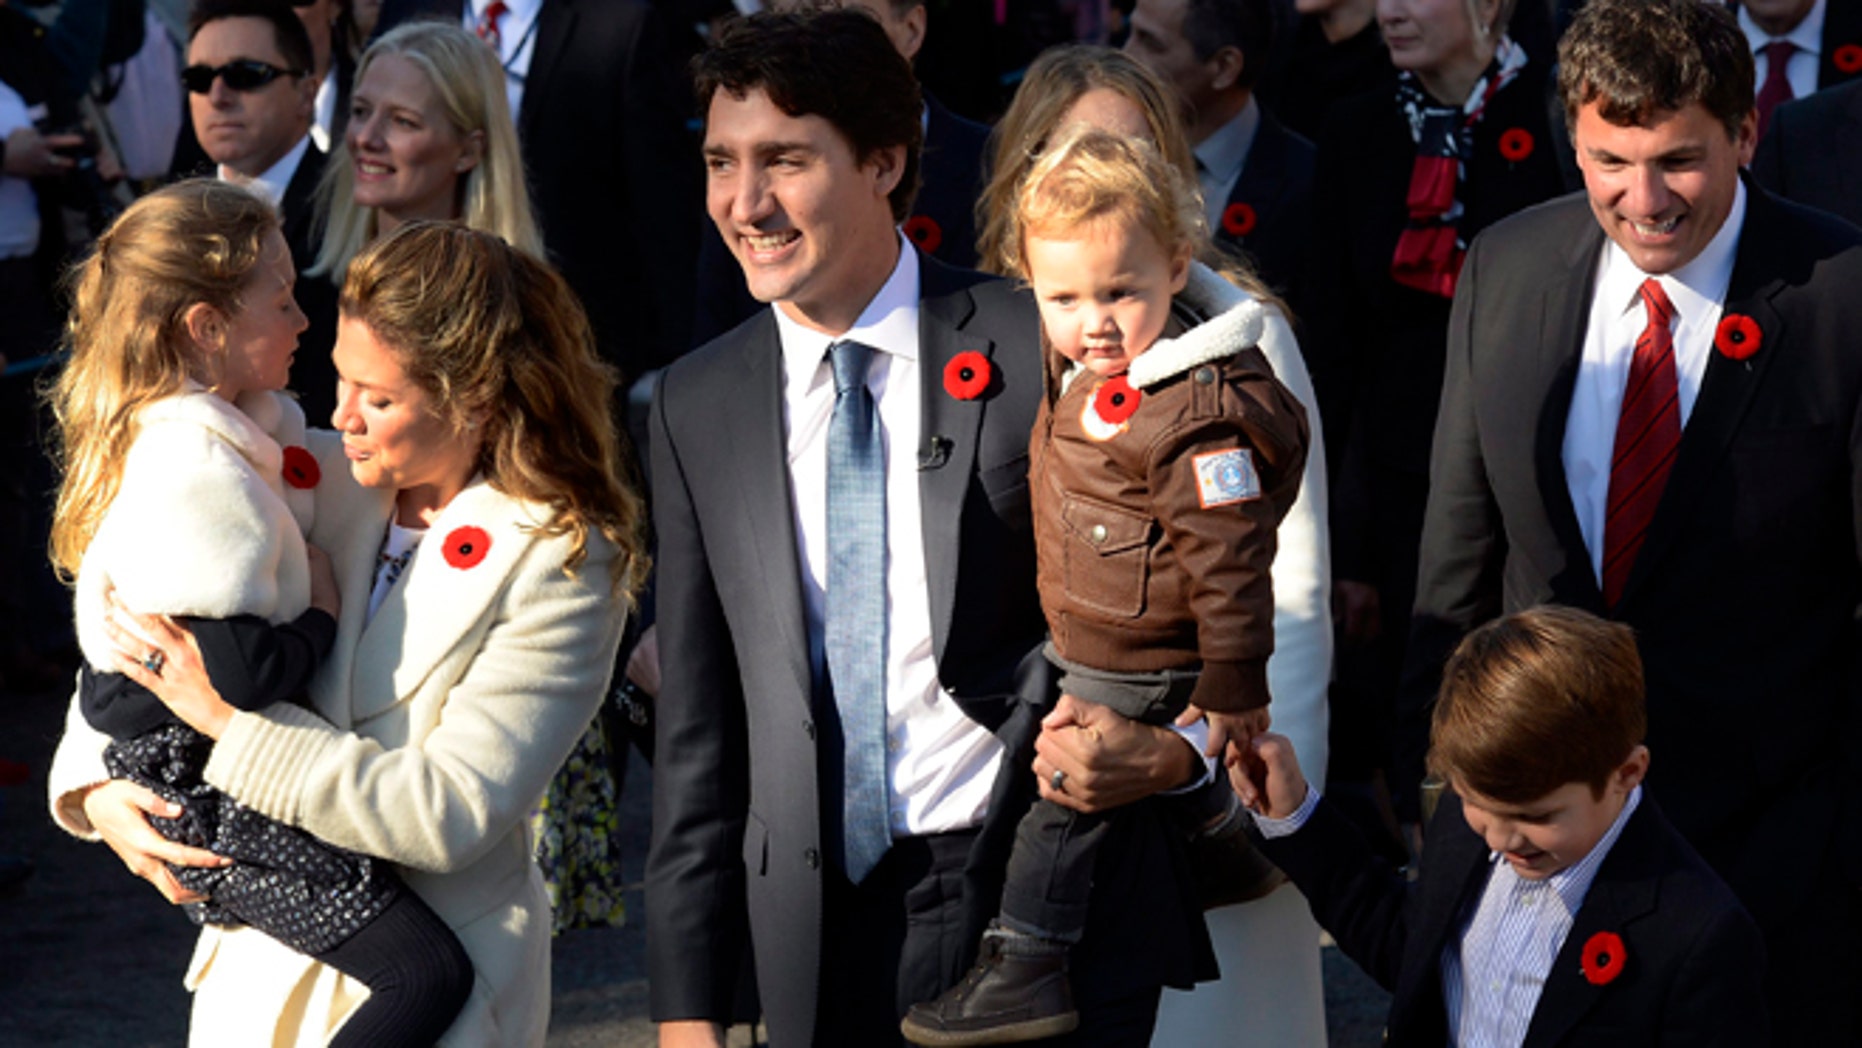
924,231
1738,336
967,375
466,546
300,467
1238,220
1848,58
1603,958
1116,400
1516,144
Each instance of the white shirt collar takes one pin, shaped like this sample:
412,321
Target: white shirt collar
1224,152
1695,288
1808,34
1573,882
888,323
271,184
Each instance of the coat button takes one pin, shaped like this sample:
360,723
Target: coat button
1098,534
808,728
812,858
1205,376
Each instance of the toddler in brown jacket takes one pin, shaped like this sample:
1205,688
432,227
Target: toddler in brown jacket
1159,469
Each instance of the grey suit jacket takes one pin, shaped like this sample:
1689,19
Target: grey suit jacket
739,842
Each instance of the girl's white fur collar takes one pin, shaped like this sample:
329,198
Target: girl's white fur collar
1236,322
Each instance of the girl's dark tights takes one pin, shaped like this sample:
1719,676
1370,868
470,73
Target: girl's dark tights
417,973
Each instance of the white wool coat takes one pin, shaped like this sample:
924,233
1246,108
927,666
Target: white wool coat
203,523
439,724
1270,991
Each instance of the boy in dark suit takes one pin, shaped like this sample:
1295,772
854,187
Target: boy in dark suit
1556,905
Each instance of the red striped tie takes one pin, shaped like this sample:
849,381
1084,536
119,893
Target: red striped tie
1647,434
488,25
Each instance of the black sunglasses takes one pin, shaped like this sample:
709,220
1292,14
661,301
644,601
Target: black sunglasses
246,74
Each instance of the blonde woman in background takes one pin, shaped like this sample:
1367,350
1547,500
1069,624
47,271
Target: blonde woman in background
1270,993
429,136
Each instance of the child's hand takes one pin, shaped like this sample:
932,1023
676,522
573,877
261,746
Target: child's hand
324,595
1230,732
1267,778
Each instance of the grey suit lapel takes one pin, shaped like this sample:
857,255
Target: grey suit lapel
1564,317
947,442
752,440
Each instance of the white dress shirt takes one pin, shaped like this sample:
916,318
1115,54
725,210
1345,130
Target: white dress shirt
940,764
517,41
1697,291
323,113
1220,158
274,180
1808,36
1495,970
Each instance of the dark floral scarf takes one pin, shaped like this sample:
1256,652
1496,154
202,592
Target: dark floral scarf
1429,253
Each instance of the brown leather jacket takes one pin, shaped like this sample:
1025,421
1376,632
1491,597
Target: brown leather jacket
1155,536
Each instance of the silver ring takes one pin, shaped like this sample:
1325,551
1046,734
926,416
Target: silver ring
1057,781
154,661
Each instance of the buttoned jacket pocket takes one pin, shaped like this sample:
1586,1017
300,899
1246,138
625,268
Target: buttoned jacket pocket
1107,551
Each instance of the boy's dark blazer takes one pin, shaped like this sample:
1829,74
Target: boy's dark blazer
1746,594
743,759
1694,961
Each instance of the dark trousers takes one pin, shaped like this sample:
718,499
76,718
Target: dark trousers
1050,876
898,938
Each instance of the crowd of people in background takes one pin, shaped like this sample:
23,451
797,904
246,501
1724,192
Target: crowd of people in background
1549,303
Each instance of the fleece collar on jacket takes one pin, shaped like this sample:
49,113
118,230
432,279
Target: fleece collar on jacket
1236,322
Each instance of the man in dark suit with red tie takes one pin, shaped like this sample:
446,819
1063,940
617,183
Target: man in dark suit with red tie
1653,411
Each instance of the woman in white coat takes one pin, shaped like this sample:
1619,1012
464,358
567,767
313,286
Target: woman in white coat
1270,993
470,508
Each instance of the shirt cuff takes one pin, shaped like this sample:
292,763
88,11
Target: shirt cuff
1197,736
1271,827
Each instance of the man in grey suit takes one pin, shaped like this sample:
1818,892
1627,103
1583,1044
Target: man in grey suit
853,679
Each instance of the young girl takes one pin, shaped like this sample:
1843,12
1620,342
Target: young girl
1159,469
186,491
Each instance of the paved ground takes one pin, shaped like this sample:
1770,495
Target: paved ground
91,957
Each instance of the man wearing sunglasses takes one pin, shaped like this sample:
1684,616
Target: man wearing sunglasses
250,97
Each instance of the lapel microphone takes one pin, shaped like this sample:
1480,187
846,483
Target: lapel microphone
937,454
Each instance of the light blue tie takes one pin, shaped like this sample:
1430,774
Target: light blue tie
856,612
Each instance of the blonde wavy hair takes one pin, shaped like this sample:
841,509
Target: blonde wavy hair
193,243
469,84
1056,80
1090,176
496,339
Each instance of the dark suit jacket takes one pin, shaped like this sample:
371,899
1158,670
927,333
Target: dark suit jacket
739,840
1813,152
1273,223
1745,595
942,222
613,168
1694,958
